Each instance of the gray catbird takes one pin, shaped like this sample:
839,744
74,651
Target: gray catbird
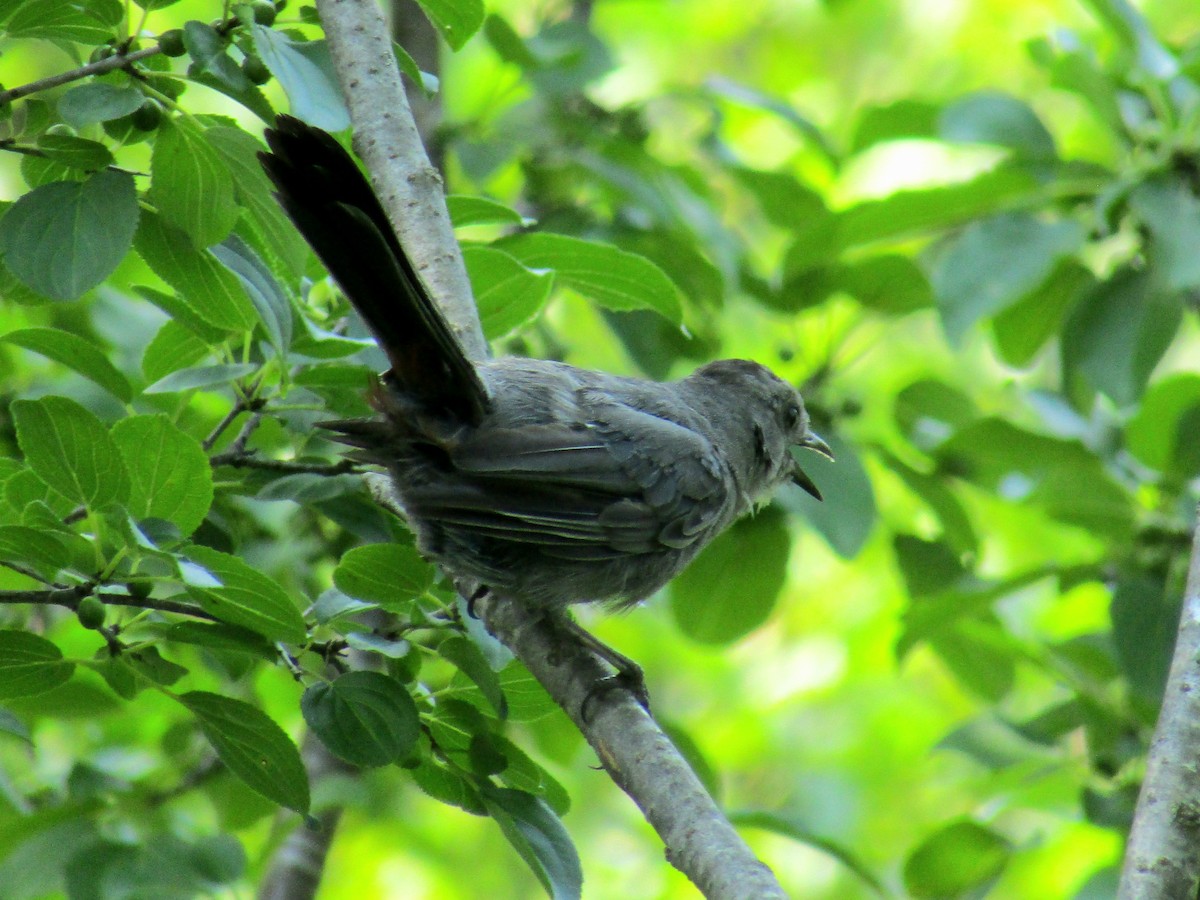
539,480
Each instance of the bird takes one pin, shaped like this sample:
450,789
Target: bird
545,482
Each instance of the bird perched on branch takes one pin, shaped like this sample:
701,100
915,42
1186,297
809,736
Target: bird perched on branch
541,481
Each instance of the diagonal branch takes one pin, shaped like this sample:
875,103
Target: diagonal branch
699,839
1162,857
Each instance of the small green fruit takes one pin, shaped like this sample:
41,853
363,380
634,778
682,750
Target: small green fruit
264,12
147,116
91,612
171,42
256,70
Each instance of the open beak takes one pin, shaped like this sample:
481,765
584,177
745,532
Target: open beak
800,478
814,441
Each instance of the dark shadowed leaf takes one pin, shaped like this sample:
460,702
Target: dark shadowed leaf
254,748
366,718
388,574
75,353
959,857
732,586
847,515
996,262
538,835
1118,333
66,237
990,117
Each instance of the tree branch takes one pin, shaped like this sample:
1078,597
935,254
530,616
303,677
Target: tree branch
96,68
386,138
1162,857
245,460
641,759
70,597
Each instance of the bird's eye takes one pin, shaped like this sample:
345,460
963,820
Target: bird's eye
791,417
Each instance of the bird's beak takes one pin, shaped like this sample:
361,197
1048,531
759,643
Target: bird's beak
813,441
800,478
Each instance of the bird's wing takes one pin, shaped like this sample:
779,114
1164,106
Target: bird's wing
626,482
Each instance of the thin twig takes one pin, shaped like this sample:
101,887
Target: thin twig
70,597
247,460
240,406
96,68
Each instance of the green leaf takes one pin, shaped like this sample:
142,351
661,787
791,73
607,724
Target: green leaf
895,121
91,24
601,272
538,835
955,859
306,75
274,308
1132,28
468,210
509,45
388,574
996,262
979,654
209,55
732,586
455,20
1154,434
71,450
64,238
508,294
1118,333
956,526
34,547
908,213
790,828
927,566
889,284
211,290
469,660
1023,329
172,479
246,597
1063,477
253,747
847,515
173,348
1145,622
927,412
239,151
179,309
97,101
991,117
221,376
75,152
30,665
190,184
1171,212
366,718
75,353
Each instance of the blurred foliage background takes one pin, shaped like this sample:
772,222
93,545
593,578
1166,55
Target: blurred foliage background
970,230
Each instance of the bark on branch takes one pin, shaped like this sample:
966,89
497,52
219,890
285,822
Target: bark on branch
1162,858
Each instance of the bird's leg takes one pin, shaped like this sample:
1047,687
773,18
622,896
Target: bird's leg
629,675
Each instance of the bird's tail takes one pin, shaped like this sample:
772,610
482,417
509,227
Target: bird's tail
333,205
